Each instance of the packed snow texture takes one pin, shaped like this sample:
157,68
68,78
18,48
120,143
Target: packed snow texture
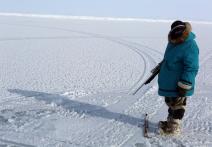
69,83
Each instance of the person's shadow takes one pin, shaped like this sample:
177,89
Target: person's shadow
80,107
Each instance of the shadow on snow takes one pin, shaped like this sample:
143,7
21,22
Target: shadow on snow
79,107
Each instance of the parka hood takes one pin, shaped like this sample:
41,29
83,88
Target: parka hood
187,35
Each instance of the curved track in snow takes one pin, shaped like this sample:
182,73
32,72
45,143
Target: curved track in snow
21,117
76,118
142,50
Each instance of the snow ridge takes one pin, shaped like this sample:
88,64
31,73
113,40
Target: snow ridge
97,18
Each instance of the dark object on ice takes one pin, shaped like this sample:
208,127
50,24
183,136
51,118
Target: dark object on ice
146,126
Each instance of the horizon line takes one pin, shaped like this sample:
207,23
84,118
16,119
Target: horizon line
53,16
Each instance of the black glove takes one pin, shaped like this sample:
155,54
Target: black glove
182,92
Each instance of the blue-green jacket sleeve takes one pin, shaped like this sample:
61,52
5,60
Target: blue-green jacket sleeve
190,65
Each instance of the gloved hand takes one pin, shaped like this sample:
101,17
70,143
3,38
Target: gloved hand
182,92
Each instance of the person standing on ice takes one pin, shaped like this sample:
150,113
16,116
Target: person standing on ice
177,74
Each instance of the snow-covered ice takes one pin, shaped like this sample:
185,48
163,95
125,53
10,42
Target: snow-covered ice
68,82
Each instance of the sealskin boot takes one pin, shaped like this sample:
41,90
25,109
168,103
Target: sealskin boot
170,127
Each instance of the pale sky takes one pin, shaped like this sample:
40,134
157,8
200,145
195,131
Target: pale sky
159,9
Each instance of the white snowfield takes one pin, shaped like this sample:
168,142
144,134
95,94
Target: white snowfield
68,83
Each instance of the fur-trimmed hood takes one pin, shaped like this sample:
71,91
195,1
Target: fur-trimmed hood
183,37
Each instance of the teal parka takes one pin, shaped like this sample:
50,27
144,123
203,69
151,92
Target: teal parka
180,64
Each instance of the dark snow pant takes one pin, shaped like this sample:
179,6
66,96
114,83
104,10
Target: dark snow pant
176,107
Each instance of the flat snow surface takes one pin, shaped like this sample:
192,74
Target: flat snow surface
68,83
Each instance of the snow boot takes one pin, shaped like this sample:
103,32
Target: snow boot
170,127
